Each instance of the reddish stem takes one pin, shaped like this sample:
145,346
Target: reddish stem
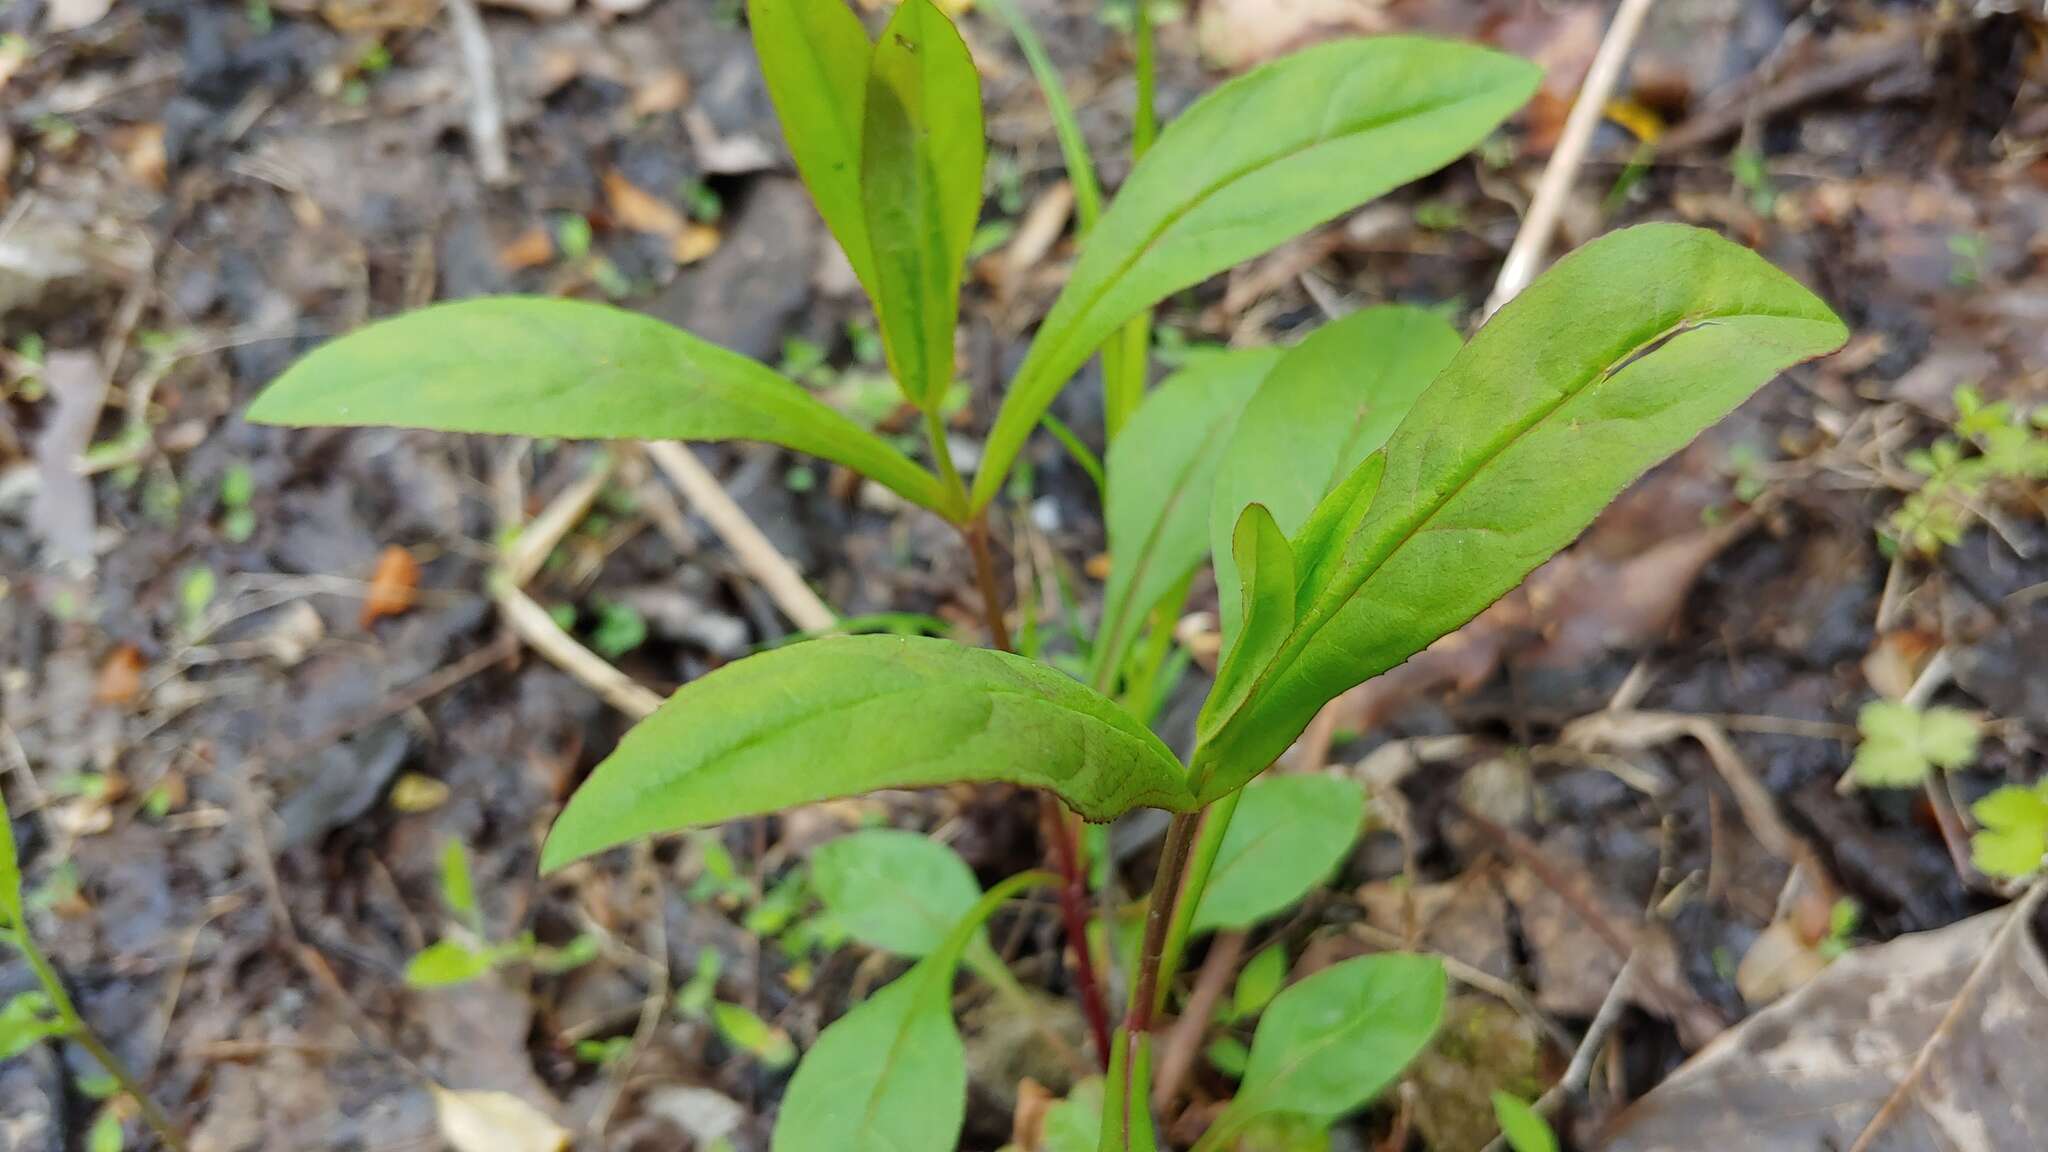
1058,828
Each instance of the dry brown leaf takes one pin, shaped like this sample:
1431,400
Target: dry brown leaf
1779,961
393,586
530,249
665,91
638,210
142,153
1237,34
695,242
545,9
378,15
496,1122
1933,1040
1895,661
120,679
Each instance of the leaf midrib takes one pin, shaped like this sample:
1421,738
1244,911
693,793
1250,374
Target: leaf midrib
1332,600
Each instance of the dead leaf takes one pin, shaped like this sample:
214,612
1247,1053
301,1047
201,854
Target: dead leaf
62,513
1895,661
665,91
71,15
695,242
392,586
531,249
378,15
413,793
496,1122
142,153
638,210
1933,1040
1237,34
546,9
120,679
293,633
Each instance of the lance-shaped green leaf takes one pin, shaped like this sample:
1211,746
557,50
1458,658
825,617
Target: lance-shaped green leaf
1331,402
891,1076
1288,835
814,58
1328,1045
10,873
850,714
1161,471
529,366
1607,364
1259,160
894,890
921,156
1266,604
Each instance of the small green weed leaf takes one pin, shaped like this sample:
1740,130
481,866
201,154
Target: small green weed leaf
891,1075
1259,982
849,714
1331,401
27,1020
1902,744
1331,1043
894,890
770,1046
814,58
1522,1126
1228,1055
458,891
1162,468
568,369
1289,834
10,872
1074,1124
1254,163
106,1134
694,998
1260,552
1608,363
2013,842
447,963
921,159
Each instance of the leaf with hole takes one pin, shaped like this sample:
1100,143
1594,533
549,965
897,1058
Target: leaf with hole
814,59
1259,160
1330,402
1331,1043
1162,467
1288,835
921,159
1608,363
849,714
568,369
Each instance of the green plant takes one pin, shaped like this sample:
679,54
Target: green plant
48,1013
468,952
1989,447
1524,1128
1361,493
1902,744
2012,842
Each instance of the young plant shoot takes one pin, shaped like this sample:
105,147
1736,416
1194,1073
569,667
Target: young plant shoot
1361,493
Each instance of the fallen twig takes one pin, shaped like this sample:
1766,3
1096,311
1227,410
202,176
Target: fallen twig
486,116
783,583
1525,257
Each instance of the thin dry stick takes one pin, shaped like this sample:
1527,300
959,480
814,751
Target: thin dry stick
780,579
2021,916
486,116
538,629
536,542
1177,1054
1532,242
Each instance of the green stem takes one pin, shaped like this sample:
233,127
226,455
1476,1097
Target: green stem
78,1031
1201,861
1145,129
942,457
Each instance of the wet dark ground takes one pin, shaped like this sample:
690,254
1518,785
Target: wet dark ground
194,193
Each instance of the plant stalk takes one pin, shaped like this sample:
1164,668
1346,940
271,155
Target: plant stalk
1058,824
77,1030
1166,886
1201,861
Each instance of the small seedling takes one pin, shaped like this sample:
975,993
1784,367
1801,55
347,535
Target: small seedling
1361,494
1902,745
2012,843
1524,1128
1992,447
468,953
